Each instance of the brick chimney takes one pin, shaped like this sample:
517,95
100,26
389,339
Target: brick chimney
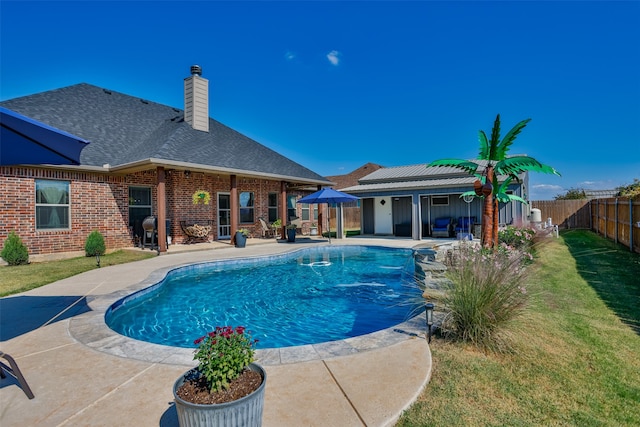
196,100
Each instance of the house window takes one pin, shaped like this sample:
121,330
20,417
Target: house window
246,207
305,211
291,207
273,207
440,201
52,205
315,211
139,208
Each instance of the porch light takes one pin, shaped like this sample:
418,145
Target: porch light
429,306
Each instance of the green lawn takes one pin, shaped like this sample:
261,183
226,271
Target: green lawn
20,278
575,358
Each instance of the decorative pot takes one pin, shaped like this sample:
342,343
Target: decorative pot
241,240
313,231
244,412
291,235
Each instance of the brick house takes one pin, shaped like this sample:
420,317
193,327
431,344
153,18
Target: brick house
145,159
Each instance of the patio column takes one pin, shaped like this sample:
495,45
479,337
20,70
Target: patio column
339,221
283,206
319,220
233,200
415,217
162,209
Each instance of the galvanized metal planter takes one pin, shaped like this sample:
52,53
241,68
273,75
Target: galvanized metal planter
244,412
241,240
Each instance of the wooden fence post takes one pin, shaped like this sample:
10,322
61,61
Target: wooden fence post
630,224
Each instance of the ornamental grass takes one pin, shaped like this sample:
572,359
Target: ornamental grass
486,293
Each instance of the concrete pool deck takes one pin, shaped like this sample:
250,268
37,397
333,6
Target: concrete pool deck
82,373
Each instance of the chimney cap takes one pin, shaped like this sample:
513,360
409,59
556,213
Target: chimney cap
196,69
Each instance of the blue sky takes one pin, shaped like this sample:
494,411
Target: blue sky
334,85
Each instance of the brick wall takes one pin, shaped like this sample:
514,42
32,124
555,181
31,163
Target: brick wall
98,201
180,207
101,201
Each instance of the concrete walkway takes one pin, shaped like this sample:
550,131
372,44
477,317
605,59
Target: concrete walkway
84,374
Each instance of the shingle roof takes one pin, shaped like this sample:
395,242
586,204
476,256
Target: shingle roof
124,129
352,177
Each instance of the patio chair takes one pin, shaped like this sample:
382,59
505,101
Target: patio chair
294,220
465,224
266,230
442,227
14,371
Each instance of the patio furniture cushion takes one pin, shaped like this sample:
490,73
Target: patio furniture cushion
442,227
465,224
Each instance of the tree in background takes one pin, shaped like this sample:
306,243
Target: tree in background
572,194
494,152
631,191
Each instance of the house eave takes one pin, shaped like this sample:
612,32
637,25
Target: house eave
145,164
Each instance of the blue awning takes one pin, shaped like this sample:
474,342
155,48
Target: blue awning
24,141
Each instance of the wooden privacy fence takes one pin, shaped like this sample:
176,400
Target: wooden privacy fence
351,217
565,213
617,219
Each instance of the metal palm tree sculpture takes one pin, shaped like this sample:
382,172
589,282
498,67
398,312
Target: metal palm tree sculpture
494,152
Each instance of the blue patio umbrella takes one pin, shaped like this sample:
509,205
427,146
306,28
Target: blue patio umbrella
30,142
328,195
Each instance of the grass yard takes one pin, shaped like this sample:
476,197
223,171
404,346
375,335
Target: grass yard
576,354
20,278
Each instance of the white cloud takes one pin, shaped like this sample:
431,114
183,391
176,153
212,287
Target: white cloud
333,57
289,56
598,185
547,187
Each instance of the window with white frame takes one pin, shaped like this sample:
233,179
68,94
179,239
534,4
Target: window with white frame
52,205
304,207
440,200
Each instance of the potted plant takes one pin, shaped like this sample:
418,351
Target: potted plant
226,388
241,237
313,230
291,233
277,225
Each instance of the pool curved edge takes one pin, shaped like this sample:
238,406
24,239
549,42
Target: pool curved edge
91,330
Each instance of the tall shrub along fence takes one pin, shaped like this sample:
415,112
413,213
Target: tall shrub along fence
617,219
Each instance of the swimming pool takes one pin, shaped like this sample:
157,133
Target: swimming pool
309,296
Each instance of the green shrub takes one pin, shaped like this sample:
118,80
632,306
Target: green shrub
486,293
517,237
14,251
94,244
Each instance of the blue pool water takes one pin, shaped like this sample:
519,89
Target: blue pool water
306,297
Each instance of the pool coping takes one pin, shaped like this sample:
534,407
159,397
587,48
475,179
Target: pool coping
91,330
